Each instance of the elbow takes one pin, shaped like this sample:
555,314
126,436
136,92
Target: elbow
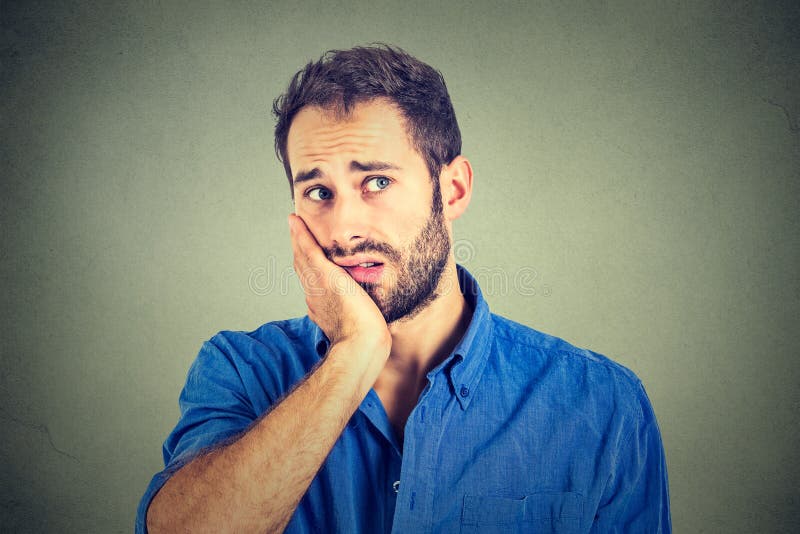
155,520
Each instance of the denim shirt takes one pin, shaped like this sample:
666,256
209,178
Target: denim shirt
516,431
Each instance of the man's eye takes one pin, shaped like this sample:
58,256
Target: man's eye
378,183
318,193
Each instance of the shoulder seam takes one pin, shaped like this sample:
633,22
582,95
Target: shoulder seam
563,347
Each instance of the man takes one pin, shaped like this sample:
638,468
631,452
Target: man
400,403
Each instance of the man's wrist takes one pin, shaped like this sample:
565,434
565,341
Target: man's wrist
362,356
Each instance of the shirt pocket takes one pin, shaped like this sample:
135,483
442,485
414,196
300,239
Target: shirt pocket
537,512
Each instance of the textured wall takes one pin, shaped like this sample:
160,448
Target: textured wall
637,184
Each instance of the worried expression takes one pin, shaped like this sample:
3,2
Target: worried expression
367,196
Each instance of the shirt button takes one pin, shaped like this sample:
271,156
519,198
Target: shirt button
396,486
464,391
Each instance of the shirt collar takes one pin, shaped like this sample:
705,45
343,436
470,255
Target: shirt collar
464,367
469,358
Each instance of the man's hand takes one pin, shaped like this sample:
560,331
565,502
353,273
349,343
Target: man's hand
336,303
255,483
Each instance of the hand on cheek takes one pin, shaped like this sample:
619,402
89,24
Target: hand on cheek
336,303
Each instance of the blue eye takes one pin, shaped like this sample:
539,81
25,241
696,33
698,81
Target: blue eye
318,193
378,183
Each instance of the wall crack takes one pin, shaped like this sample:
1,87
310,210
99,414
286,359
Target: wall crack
42,429
791,118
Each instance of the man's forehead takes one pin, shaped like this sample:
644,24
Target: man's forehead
337,111
379,116
372,131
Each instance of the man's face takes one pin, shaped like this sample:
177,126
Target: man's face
367,197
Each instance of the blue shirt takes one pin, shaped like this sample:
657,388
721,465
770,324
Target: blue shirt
516,431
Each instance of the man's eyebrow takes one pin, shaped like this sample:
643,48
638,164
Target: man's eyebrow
304,176
356,166
369,166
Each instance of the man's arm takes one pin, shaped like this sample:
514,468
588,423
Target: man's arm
255,483
636,498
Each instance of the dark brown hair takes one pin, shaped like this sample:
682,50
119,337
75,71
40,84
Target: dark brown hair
341,79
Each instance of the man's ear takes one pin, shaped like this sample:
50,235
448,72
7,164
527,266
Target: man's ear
455,182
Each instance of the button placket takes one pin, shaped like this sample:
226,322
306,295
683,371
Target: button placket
415,503
411,514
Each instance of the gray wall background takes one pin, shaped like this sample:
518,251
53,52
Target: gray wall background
637,177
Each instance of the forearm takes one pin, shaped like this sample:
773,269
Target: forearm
255,483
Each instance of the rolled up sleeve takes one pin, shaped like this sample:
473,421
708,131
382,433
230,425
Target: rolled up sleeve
214,408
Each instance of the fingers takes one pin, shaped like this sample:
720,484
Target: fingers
316,272
310,262
304,244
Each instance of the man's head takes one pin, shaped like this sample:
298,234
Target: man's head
341,79
372,179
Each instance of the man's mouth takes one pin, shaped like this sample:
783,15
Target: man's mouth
363,270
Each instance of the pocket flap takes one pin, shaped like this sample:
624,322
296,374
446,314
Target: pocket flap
485,510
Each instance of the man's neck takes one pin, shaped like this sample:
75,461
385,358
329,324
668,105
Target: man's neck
419,344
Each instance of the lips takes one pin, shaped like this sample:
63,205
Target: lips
362,268
366,274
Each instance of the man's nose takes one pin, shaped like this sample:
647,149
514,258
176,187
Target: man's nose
350,220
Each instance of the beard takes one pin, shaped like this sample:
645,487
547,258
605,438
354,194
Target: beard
419,266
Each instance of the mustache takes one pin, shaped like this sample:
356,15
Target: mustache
365,246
